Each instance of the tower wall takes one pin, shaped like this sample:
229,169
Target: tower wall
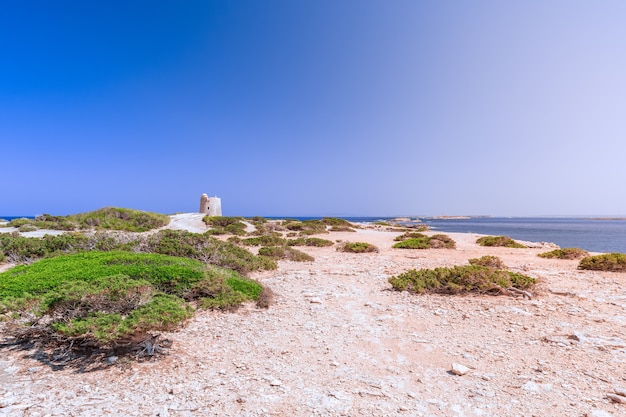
211,206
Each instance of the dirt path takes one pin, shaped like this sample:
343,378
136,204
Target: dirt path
337,342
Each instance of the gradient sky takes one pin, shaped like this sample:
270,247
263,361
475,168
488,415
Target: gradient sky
325,107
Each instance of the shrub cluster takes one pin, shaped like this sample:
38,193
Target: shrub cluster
202,247
565,253
113,298
264,240
614,262
461,279
306,227
421,241
504,241
357,247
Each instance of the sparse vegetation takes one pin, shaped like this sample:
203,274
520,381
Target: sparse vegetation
565,253
503,241
357,247
614,262
114,298
341,229
461,279
488,261
306,227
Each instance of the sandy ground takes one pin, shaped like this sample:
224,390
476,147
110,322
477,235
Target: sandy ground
338,341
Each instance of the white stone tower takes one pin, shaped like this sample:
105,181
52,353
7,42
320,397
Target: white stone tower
211,206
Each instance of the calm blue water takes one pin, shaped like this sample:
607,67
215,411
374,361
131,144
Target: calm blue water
589,234
567,232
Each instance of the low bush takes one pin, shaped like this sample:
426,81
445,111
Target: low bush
503,241
114,298
309,241
614,262
565,253
488,261
461,279
285,252
357,247
409,235
205,248
334,221
341,229
306,227
413,243
420,241
264,240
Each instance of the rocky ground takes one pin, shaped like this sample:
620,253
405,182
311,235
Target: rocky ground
338,342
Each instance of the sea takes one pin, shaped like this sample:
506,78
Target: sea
594,234
597,234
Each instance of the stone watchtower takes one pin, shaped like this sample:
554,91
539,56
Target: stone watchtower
211,206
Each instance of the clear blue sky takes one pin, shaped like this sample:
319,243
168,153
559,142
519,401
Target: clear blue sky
325,107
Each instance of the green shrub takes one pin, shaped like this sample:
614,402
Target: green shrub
357,247
113,218
334,221
460,279
341,229
488,261
205,248
441,241
285,252
615,262
27,228
309,241
421,241
265,240
112,298
409,235
306,227
565,253
504,241
413,243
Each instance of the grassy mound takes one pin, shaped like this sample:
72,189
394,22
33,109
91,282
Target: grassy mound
503,241
565,253
614,262
461,279
357,247
112,298
420,241
409,235
112,218
108,218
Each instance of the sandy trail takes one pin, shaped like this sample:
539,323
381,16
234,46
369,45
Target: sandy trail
337,341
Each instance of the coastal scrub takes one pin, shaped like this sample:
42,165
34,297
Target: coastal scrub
503,241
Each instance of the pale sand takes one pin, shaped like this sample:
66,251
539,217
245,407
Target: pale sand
337,341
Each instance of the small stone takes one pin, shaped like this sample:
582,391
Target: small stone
620,391
112,359
315,300
616,398
458,369
34,369
275,383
